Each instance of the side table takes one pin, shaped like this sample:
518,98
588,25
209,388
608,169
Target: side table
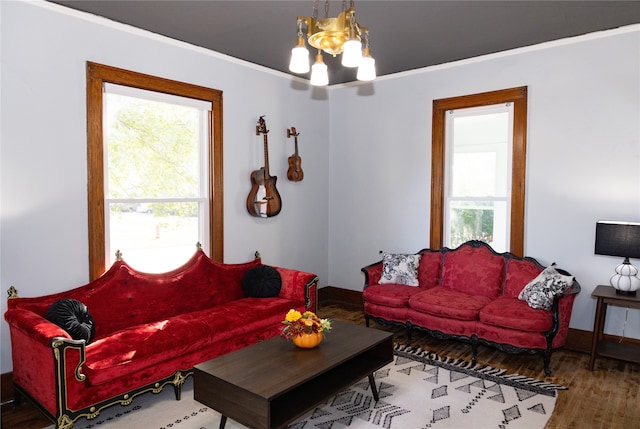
606,295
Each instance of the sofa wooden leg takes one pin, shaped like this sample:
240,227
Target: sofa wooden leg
366,320
177,388
547,362
409,334
474,349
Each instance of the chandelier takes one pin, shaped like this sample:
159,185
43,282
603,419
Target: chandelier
335,36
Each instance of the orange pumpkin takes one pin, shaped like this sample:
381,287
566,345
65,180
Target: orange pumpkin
307,341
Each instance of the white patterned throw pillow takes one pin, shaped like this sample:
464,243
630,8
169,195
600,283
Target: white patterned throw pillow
400,268
540,292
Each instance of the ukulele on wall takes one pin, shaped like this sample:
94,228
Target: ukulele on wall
294,173
264,199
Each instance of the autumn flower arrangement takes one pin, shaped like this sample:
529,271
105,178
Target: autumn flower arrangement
296,324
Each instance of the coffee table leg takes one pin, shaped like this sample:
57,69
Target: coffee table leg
374,389
223,421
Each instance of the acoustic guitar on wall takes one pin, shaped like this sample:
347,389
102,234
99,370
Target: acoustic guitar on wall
294,173
264,198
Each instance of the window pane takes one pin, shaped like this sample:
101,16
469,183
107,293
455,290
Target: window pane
152,149
482,128
154,237
478,220
481,154
474,174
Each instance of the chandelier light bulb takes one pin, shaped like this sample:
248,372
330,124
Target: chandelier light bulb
299,58
352,53
319,74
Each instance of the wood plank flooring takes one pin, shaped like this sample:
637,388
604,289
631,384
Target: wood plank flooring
606,398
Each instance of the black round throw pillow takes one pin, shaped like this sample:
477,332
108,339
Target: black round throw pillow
261,282
72,316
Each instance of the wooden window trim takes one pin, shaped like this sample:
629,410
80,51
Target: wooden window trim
517,96
97,75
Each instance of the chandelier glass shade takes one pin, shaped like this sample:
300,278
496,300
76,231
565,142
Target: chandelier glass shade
334,36
352,53
299,58
367,68
319,74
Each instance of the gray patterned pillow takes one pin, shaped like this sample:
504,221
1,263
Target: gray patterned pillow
400,269
540,292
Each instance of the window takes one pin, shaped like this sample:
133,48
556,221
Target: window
156,187
478,170
154,168
477,175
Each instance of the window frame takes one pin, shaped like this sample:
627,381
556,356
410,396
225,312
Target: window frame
517,96
97,75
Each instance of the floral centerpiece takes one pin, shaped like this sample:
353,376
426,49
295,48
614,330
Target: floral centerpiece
305,329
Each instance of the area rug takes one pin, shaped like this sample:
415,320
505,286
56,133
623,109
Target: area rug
418,390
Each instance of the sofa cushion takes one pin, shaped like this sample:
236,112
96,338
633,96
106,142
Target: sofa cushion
474,271
511,337
399,268
443,302
138,347
519,274
391,314
541,291
72,316
262,281
390,295
445,325
429,268
512,313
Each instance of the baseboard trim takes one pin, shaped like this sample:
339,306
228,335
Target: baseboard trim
577,339
331,295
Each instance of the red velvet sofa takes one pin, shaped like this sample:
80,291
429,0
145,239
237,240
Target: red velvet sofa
150,330
471,294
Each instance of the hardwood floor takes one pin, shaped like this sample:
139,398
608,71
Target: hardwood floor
607,398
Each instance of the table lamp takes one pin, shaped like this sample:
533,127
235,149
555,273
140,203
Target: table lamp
615,238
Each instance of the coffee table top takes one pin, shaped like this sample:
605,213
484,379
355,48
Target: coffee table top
271,367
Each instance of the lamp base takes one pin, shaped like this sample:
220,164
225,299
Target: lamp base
625,280
626,292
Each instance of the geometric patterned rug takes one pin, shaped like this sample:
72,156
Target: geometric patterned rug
418,390
423,390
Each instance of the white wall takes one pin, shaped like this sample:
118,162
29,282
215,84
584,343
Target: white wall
43,141
366,185
583,157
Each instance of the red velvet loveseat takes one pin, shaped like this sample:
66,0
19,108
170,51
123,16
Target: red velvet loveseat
476,295
150,330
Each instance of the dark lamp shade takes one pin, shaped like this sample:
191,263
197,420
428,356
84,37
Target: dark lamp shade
615,238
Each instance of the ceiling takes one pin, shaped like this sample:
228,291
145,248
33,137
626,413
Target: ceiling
404,35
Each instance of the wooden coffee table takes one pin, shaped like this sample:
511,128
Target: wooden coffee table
271,383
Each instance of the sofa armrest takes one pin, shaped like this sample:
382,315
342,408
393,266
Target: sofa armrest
35,326
299,286
41,360
574,289
372,274
561,316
